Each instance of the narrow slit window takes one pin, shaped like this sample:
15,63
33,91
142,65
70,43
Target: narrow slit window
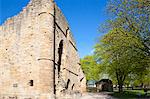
67,83
72,87
60,51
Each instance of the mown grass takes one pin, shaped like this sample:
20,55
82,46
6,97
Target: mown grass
132,94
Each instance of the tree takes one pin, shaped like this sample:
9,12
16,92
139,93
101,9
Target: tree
90,67
142,78
133,16
119,53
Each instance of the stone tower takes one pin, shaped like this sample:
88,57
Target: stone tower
38,55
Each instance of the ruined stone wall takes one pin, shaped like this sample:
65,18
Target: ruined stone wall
27,54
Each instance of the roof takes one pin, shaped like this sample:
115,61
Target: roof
91,82
104,80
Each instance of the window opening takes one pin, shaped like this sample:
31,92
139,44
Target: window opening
31,82
60,51
67,83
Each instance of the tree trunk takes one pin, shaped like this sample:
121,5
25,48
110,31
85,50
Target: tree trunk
120,78
120,87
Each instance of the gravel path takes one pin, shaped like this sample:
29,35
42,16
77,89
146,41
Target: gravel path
96,96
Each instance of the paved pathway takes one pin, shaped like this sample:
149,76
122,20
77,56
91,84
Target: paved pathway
96,96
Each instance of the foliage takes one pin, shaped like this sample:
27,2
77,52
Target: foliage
131,94
133,16
142,78
119,53
125,50
90,67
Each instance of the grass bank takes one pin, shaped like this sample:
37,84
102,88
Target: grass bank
132,94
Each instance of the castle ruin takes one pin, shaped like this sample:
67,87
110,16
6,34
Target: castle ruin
38,55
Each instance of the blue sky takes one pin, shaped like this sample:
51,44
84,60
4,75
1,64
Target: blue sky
84,18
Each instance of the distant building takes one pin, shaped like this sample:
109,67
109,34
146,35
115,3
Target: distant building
91,86
91,83
104,85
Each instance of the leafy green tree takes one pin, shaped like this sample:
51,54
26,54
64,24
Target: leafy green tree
119,53
142,78
133,16
90,67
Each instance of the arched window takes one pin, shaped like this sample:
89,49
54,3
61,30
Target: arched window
60,51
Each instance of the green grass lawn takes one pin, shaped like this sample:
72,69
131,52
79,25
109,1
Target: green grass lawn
131,94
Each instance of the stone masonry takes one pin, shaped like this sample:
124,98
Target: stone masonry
38,55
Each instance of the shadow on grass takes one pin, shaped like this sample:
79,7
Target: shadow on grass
131,95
